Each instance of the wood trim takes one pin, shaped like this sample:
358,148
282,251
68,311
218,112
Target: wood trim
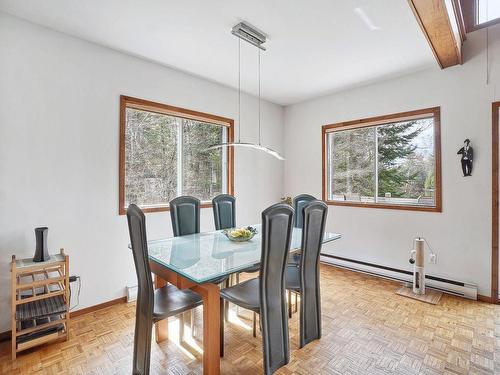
131,102
468,8
166,109
459,17
386,206
486,299
97,307
495,108
469,14
434,112
435,22
385,119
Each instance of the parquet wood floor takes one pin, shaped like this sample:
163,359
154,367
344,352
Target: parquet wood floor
367,329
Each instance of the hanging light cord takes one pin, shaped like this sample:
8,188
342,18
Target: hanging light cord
259,98
487,57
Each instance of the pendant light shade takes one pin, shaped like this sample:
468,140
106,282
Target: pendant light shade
267,150
256,38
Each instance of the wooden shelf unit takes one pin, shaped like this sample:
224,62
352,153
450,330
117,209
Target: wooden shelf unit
40,301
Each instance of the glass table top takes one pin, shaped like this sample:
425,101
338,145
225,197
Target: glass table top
206,256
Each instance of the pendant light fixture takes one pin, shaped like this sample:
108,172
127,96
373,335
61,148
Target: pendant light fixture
249,34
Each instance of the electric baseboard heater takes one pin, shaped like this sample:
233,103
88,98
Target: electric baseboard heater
457,288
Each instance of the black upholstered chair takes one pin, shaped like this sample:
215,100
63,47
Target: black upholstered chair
266,295
304,278
224,206
185,218
299,202
185,215
152,306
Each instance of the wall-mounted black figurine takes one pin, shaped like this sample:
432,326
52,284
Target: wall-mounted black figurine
467,156
41,251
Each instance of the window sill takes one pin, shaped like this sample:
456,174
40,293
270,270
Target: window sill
123,210
386,206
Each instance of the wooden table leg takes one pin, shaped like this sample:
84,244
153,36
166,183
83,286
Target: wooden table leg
161,327
211,327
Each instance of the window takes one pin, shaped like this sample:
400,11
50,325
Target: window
478,14
163,154
487,10
386,162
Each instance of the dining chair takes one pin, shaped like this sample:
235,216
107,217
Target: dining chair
185,218
299,202
185,215
224,207
152,306
304,279
265,295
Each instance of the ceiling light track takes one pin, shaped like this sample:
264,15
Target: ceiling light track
249,34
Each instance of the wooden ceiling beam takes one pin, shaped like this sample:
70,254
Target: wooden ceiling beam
442,24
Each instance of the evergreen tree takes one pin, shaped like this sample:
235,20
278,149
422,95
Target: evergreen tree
395,144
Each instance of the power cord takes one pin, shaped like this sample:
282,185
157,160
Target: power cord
73,279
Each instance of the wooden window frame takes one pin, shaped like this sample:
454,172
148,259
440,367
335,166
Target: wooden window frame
435,112
495,108
469,12
146,105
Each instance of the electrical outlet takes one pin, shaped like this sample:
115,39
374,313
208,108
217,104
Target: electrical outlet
433,259
72,279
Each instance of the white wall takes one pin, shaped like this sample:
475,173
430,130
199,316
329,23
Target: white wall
461,234
59,119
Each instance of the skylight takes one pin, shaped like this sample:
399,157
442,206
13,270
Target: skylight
487,10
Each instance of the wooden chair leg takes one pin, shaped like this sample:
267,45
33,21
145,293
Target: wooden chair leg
222,304
226,303
254,332
296,301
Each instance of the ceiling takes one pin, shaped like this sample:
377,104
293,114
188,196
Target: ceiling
314,47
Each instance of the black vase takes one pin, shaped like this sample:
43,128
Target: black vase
41,251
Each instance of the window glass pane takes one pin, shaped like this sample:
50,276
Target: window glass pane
406,163
202,170
352,170
150,158
487,10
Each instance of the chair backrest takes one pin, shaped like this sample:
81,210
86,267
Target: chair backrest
224,206
277,226
314,219
298,204
145,296
185,215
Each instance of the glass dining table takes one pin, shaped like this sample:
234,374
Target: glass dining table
198,260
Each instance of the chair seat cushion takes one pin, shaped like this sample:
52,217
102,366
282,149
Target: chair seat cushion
245,294
171,301
292,278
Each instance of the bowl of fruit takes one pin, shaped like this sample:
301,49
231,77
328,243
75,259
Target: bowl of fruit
240,234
